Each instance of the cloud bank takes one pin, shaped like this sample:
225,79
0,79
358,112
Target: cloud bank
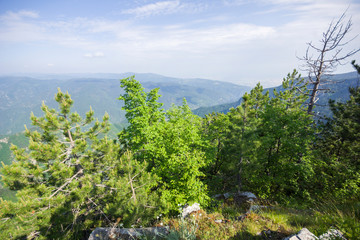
177,38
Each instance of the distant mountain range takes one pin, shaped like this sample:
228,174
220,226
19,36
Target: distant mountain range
338,86
21,95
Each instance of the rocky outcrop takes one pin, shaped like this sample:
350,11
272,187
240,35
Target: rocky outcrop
136,233
239,198
128,233
305,234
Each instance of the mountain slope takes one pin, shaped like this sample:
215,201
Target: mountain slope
21,95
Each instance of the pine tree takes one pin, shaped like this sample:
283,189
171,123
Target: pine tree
265,142
339,149
242,140
285,137
71,180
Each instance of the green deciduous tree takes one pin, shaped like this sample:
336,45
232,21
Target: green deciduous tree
70,180
143,112
169,141
215,130
178,157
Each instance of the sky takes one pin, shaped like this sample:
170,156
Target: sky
238,41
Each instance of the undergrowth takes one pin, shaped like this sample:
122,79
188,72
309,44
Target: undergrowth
272,222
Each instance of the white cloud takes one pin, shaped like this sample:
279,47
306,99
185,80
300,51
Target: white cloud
83,33
50,64
163,7
166,7
235,2
288,2
265,2
223,37
19,15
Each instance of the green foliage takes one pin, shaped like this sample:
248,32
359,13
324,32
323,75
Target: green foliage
214,132
178,159
243,139
70,180
264,143
142,112
231,140
72,177
285,136
170,142
131,199
339,149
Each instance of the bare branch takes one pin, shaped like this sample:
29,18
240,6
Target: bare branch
132,188
66,183
302,92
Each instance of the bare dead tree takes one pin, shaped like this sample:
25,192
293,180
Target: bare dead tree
323,59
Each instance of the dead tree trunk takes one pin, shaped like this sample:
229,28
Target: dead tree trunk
323,59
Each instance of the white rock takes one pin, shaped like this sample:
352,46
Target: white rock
189,209
332,234
304,234
247,194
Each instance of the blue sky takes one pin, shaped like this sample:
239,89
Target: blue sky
240,41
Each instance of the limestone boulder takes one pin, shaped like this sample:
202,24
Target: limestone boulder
304,234
189,209
128,233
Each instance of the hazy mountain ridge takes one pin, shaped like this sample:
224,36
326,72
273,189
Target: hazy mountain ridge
338,86
21,95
